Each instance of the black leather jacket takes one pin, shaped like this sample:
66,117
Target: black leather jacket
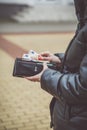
69,85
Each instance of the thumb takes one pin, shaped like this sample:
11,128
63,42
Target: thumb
45,66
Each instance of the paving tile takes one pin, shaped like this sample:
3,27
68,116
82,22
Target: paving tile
23,104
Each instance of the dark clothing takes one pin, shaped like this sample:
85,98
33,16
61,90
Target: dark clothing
68,86
79,6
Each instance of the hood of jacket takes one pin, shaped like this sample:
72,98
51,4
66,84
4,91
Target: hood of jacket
85,12
80,10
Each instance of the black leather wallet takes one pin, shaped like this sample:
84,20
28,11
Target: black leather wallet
28,68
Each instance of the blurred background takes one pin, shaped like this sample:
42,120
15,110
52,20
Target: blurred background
36,15
39,25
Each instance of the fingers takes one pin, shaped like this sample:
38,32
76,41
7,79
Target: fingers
45,66
46,53
46,58
33,78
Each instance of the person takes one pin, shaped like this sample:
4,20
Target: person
68,84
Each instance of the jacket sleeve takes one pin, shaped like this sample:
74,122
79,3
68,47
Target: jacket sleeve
49,81
69,87
72,88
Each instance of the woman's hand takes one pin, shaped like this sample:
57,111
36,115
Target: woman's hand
37,77
47,56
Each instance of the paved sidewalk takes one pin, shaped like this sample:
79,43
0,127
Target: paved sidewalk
23,104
